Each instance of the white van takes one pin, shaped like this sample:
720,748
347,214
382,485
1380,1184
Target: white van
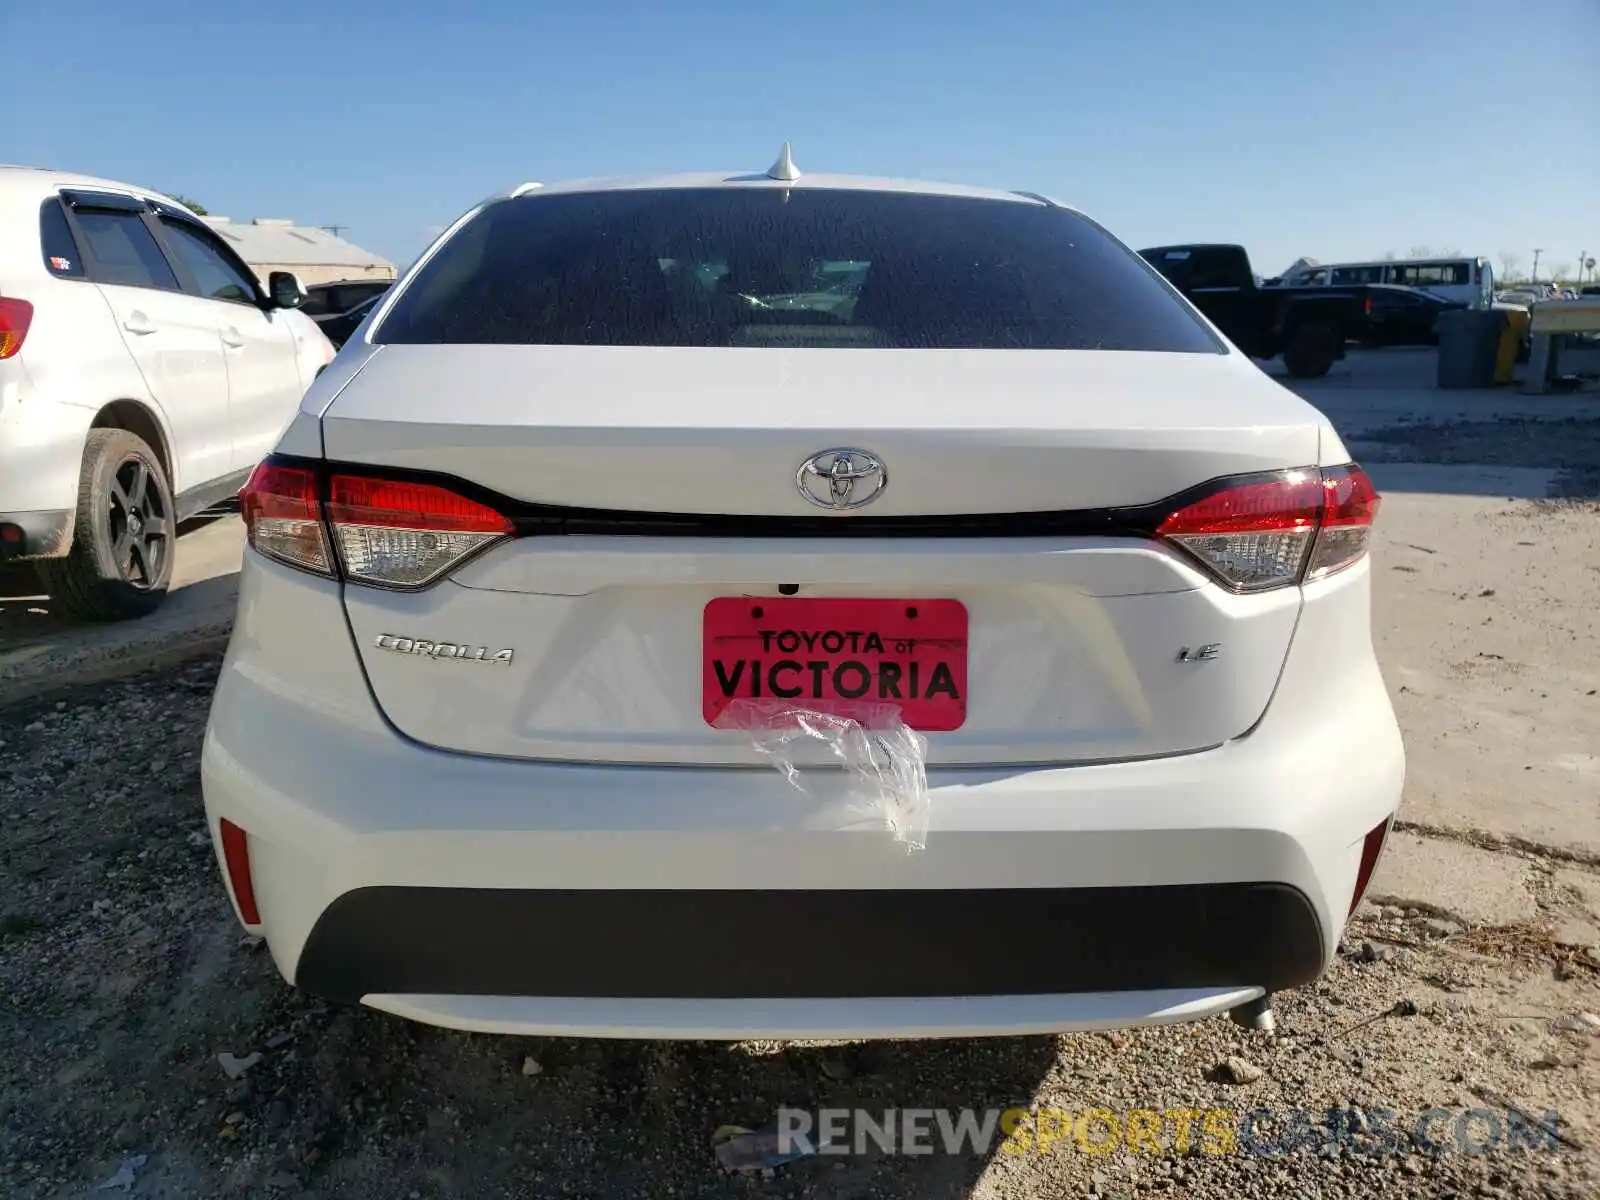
1468,281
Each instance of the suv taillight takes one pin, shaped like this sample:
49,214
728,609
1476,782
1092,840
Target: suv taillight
15,317
1261,532
383,532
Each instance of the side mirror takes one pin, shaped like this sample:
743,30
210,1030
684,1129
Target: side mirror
286,289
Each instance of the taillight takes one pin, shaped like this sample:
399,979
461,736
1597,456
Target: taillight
236,857
281,518
1350,506
406,535
1371,852
15,317
1257,533
384,532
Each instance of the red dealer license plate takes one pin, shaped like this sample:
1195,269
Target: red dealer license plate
833,654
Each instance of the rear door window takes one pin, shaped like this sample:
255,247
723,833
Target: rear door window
124,250
798,268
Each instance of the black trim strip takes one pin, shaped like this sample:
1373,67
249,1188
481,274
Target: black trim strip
546,520
192,501
810,944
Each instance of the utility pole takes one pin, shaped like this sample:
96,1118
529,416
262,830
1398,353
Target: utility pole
1536,254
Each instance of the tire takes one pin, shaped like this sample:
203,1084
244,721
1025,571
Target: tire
1313,349
125,535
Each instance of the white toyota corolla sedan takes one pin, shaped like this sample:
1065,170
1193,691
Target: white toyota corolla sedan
617,458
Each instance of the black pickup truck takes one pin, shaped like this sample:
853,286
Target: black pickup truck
1309,326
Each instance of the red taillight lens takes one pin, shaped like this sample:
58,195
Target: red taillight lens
1350,508
15,317
388,533
236,858
401,505
1371,852
1260,533
281,517
1253,535
406,535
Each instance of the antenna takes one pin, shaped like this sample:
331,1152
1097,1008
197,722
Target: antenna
784,168
336,230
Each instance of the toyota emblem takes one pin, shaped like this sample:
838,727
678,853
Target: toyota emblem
841,479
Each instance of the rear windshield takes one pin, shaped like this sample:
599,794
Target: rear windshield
769,267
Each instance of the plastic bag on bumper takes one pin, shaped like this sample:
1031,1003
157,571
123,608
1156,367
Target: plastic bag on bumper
886,757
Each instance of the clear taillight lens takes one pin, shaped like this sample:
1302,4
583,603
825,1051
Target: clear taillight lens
1253,534
384,532
1259,533
406,535
281,517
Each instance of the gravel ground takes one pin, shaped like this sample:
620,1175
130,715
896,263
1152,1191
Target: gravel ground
1570,446
123,978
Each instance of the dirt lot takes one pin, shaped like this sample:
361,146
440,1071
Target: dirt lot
123,977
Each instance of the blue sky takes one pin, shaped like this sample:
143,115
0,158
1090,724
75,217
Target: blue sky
1338,131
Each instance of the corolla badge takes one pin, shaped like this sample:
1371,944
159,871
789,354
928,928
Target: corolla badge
842,479
455,651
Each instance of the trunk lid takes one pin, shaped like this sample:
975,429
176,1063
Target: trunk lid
674,430
1073,650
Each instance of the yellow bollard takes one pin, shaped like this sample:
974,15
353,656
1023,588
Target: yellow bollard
1511,335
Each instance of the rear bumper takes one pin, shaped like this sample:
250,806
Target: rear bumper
41,447
46,534
645,901
693,943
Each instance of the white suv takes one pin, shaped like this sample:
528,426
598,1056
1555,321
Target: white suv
144,371
954,477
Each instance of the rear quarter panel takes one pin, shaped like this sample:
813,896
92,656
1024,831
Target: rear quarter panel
72,364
